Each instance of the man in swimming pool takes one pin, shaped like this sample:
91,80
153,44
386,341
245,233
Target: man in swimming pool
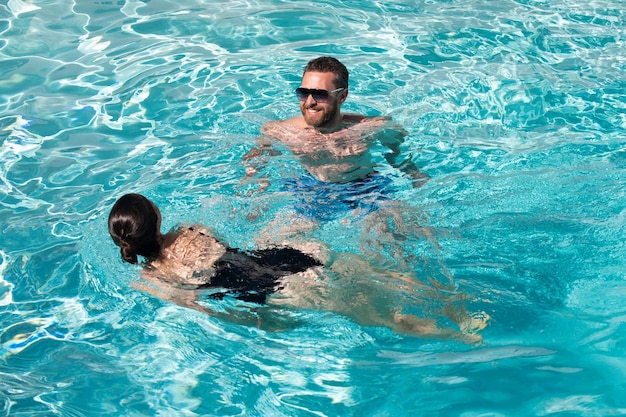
334,147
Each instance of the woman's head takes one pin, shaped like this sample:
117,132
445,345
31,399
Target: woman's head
134,226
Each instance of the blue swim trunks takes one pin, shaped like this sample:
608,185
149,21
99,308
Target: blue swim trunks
326,201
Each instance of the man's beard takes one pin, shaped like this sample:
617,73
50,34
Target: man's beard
327,118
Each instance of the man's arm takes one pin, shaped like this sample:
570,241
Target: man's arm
392,136
256,159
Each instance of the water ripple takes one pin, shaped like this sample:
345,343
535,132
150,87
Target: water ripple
514,108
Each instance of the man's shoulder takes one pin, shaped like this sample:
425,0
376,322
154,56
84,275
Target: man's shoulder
274,128
365,121
353,118
294,121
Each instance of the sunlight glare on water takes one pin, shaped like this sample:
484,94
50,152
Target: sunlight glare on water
514,109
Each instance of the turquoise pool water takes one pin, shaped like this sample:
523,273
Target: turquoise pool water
515,109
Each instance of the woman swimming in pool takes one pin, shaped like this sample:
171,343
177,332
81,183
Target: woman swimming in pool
191,258
188,263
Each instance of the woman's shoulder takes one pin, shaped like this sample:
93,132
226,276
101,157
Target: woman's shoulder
194,239
189,256
190,232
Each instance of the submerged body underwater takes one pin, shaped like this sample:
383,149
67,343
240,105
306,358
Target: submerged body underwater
513,110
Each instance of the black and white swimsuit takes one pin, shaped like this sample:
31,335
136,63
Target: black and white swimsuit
252,276
196,260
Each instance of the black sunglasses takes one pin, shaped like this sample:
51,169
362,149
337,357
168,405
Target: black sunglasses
321,96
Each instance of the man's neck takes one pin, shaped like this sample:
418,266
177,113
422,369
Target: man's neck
336,125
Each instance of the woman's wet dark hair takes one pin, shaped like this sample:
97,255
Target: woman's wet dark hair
134,227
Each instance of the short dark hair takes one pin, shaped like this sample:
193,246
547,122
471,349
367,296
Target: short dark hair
329,64
133,226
